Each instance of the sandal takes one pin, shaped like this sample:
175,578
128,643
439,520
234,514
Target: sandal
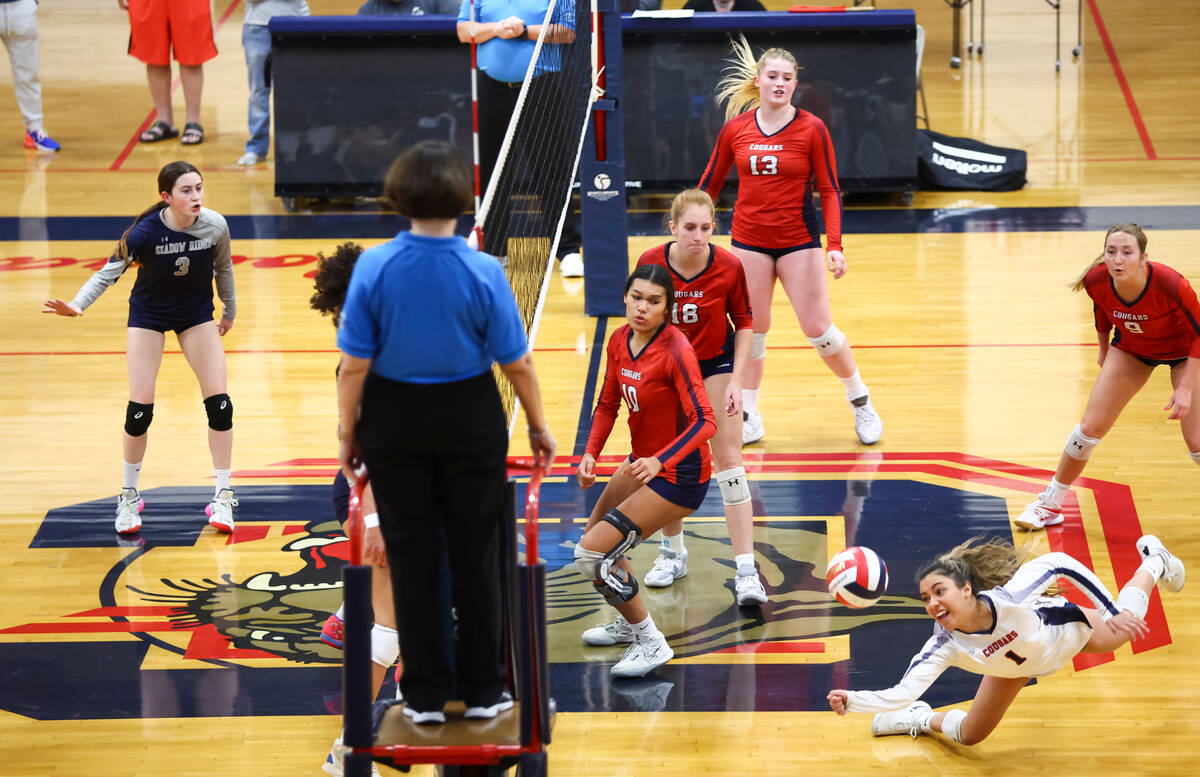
193,134
159,130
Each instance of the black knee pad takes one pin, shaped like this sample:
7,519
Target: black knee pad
138,418
617,587
631,534
219,408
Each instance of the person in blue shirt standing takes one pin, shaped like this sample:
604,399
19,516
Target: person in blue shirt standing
425,318
179,247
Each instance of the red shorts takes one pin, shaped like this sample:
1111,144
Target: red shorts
158,26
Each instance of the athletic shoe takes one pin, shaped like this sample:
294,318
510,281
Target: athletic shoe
487,713
910,720
333,633
571,265
617,632
668,567
867,423
334,762
129,504
434,718
220,511
250,158
749,589
1174,573
648,694
41,141
1038,515
643,657
752,427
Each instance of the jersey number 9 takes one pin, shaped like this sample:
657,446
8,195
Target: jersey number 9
1133,326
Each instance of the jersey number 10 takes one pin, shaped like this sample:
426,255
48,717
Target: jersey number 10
630,394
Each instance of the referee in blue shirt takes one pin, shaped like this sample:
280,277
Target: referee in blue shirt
424,320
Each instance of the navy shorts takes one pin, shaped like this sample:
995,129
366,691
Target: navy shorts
341,497
776,253
1155,362
689,496
141,319
720,364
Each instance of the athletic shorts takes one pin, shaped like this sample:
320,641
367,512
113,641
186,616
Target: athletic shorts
721,364
776,253
141,319
686,495
1155,362
159,27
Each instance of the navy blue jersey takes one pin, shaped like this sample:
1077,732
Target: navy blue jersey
175,270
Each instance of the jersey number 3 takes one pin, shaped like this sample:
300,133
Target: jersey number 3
770,164
182,264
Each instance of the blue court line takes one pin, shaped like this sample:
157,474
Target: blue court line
584,428
363,226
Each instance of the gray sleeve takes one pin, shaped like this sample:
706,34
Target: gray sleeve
99,282
223,272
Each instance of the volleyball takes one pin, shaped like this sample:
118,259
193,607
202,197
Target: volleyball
857,577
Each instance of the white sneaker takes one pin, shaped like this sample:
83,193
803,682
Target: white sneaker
334,764
910,720
487,713
250,158
617,632
867,423
220,511
1038,515
434,718
571,265
129,504
642,658
668,567
752,427
749,589
1173,577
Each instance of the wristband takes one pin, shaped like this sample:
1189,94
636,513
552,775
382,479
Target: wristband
371,521
524,30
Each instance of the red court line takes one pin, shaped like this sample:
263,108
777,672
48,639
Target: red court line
774,647
107,627
133,140
122,611
1124,84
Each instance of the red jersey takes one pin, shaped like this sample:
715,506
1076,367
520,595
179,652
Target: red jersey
669,414
1162,323
707,303
776,177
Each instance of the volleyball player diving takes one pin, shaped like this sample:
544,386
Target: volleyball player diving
782,154
653,369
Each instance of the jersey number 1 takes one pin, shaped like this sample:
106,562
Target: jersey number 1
770,165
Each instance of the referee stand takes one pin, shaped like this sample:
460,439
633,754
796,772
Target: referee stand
459,747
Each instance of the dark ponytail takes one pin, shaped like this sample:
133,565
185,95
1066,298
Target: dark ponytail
166,183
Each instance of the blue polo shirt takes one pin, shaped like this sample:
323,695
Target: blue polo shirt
507,60
430,310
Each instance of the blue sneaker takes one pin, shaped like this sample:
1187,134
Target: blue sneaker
41,141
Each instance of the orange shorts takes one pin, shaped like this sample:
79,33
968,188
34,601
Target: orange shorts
158,26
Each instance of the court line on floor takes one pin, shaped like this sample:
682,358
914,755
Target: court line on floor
133,141
1121,81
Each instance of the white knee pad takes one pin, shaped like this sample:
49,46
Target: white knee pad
385,645
735,489
758,345
1080,446
829,343
952,724
1195,456
1133,599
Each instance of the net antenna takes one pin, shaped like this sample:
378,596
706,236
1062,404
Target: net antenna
519,218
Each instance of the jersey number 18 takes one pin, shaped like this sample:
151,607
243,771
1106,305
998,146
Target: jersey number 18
689,312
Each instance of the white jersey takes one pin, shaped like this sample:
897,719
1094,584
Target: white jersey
1031,635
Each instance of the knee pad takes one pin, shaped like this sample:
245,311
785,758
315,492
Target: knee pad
613,583
138,418
385,645
219,408
1195,456
758,345
1080,446
829,343
735,489
1133,599
952,724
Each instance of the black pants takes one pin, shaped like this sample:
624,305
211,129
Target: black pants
497,101
435,454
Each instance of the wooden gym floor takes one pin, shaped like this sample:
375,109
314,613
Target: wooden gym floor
978,356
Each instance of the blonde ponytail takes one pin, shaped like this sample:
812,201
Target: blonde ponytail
736,88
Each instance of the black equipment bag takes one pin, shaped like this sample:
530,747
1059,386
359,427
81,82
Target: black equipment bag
945,162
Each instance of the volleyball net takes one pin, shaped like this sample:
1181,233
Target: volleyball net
520,216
